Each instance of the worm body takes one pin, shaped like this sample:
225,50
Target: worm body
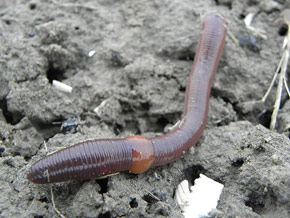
101,157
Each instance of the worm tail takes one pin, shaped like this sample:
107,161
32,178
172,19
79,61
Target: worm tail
86,160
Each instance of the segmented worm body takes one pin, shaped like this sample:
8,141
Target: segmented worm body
101,157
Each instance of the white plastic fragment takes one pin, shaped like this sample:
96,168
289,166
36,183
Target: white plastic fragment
182,194
92,53
248,19
61,86
255,31
202,198
97,109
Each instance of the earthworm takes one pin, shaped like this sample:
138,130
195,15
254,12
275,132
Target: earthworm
101,157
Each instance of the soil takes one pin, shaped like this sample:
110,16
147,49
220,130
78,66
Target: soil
143,55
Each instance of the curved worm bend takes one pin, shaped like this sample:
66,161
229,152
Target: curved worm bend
101,157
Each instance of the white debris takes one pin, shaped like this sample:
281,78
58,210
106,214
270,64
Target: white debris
61,86
202,198
255,31
97,109
182,194
285,42
169,128
248,19
91,53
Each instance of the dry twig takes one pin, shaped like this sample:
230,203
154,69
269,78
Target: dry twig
281,71
51,192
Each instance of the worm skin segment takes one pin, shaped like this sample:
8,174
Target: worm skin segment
101,157
86,160
142,153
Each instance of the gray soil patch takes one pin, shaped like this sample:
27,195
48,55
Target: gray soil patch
144,52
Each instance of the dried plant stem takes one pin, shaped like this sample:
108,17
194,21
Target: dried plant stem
53,204
51,192
281,71
272,82
282,79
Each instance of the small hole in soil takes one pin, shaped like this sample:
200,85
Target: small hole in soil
44,200
25,158
192,173
37,216
242,16
186,55
32,6
105,215
54,74
133,203
256,202
77,28
12,118
47,130
8,22
103,184
182,89
265,118
145,106
238,163
126,107
162,122
283,30
229,5
118,129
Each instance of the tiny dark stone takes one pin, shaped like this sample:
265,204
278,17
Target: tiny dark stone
31,34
